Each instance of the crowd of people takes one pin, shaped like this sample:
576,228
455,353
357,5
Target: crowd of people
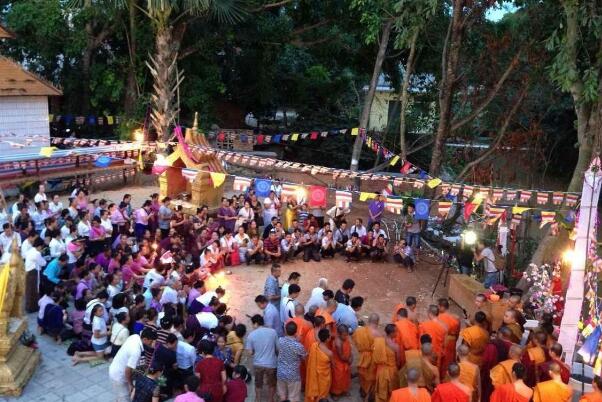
130,286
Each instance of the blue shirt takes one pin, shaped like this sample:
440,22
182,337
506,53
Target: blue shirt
345,315
272,288
263,342
185,355
290,353
52,271
271,319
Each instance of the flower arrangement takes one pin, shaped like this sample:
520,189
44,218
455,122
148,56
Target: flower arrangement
542,294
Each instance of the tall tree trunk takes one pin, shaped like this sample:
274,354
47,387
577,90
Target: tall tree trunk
365,116
131,90
449,64
87,56
404,96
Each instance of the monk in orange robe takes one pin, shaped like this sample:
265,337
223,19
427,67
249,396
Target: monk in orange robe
411,393
453,330
409,305
331,305
535,355
502,373
318,378
437,330
553,390
341,362
516,391
363,338
309,339
470,374
482,305
386,359
555,354
476,337
511,321
303,326
454,390
407,332
596,394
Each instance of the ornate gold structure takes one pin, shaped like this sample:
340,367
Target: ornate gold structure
17,362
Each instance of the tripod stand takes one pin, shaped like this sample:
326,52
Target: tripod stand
443,272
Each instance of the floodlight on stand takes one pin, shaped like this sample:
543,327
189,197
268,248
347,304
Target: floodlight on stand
470,237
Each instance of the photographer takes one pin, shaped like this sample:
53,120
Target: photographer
484,254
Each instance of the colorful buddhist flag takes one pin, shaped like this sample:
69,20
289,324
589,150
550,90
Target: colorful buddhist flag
422,207
571,200
547,217
263,187
241,183
366,196
294,136
394,160
355,131
189,174
47,151
525,196
314,135
343,199
317,196
434,182
510,195
497,194
519,210
288,192
418,183
394,205
557,197
542,197
516,218
443,208
494,213
217,179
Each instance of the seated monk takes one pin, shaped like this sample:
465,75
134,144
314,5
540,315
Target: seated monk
476,337
453,330
454,390
386,359
407,331
363,338
318,378
555,354
411,393
596,394
510,322
502,372
421,360
516,391
437,330
469,372
341,362
409,305
535,355
554,390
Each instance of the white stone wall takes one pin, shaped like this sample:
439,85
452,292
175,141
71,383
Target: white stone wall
25,116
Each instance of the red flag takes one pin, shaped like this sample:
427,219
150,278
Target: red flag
221,136
469,208
317,196
260,139
314,135
406,167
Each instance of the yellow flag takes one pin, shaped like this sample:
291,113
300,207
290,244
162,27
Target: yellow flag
110,120
217,179
369,142
47,151
295,137
51,118
355,131
519,210
394,160
433,182
366,196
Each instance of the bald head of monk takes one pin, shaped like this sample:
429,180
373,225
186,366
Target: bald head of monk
411,303
426,349
556,351
323,283
515,352
433,311
319,321
504,333
402,313
299,310
373,319
425,338
463,351
480,319
413,375
518,371
343,331
391,330
510,317
324,335
554,371
453,370
331,305
443,304
540,338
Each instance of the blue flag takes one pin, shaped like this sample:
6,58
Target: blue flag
422,208
276,138
263,187
103,161
422,174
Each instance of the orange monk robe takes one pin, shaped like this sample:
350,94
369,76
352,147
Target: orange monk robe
591,397
328,320
309,339
437,332
395,317
341,369
517,332
551,391
318,378
302,326
501,373
407,335
406,395
453,329
469,376
364,343
476,338
448,392
507,393
531,359
386,370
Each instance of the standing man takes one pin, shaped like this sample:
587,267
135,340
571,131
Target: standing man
347,315
271,315
271,289
553,390
343,295
453,329
485,254
364,338
287,308
290,355
413,228
453,390
376,207
165,214
293,278
261,344
341,362
437,330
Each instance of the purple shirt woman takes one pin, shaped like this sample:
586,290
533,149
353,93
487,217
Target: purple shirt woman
375,210
227,215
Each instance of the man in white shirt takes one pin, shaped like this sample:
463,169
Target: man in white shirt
186,353
378,231
152,276
126,361
170,292
41,195
33,263
7,237
55,206
316,298
287,308
28,243
288,247
359,228
485,254
57,245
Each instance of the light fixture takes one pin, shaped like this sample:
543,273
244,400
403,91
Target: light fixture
139,135
568,256
470,237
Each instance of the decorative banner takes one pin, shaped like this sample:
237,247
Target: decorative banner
467,192
497,195
317,196
343,199
263,187
571,200
47,151
217,178
355,131
455,189
394,205
443,208
557,197
547,217
520,210
434,182
418,184
394,160
295,137
241,183
388,190
510,195
407,168
542,198
189,174
516,218
525,196
288,191
494,213
422,208
367,196
259,139
469,208
313,135
103,161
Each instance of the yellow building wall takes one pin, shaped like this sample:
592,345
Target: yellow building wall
379,113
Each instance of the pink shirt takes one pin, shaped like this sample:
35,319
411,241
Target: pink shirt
141,216
117,217
189,397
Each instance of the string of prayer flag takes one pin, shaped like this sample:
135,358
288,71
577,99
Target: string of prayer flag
394,205
317,196
189,174
443,208
547,217
217,178
343,199
241,183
